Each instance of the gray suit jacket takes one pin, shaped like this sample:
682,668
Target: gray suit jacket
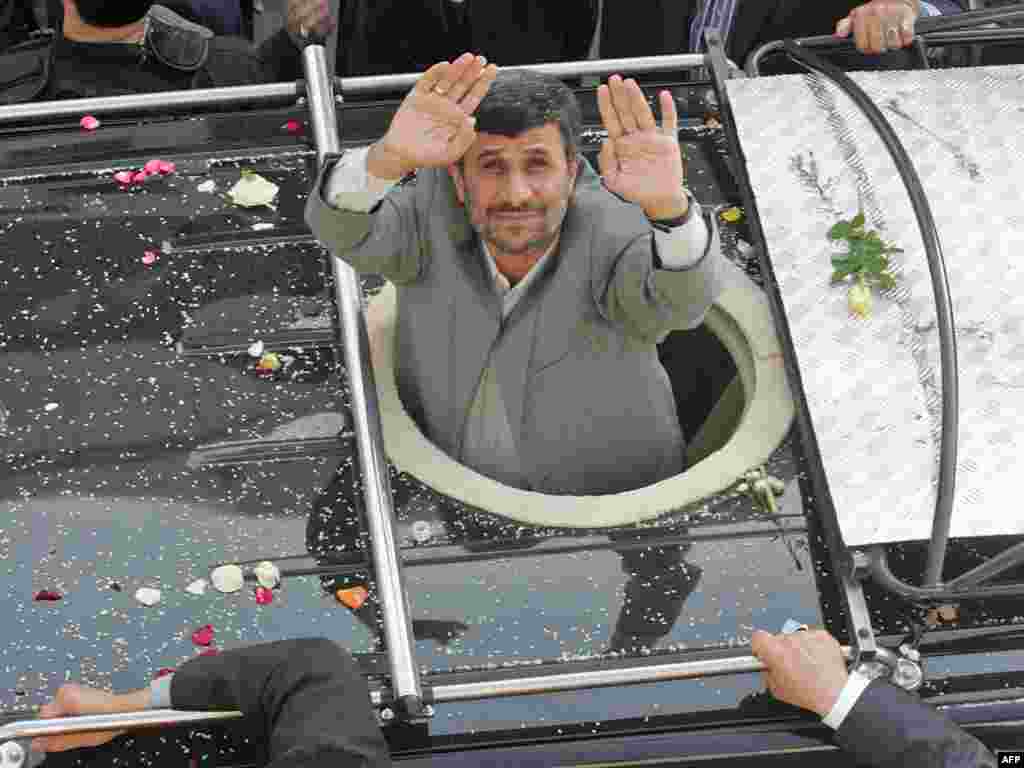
590,407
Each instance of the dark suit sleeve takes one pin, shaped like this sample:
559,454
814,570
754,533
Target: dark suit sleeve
889,728
307,695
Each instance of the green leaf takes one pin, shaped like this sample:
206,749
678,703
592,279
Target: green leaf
886,281
858,221
840,231
838,276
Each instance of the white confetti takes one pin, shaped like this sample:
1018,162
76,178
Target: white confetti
207,186
256,350
197,587
260,226
51,407
267,574
147,595
227,578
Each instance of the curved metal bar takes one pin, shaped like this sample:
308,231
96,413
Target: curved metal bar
944,305
935,31
878,564
405,676
485,689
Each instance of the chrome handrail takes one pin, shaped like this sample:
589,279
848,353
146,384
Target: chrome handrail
501,688
271,93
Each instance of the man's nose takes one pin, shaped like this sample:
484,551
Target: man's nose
517,189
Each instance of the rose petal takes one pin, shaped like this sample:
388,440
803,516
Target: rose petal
163,672
149,258
89,123
48,595
264,596
293,127
203,635
152,167
147,595
124,177
353,597
167,167
140,177
209,652
267,574
227,578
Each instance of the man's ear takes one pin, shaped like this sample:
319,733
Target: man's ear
460,183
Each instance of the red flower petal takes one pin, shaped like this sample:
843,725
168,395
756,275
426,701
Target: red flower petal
209,652
264,596
48,595
152,167
140,177
149,258
203,635
89,123
353,597
293,127
163,672
165,167
124,177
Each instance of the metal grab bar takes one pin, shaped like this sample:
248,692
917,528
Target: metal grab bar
380,514
273,93
933,30
522,686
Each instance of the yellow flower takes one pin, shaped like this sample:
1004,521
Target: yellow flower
860,299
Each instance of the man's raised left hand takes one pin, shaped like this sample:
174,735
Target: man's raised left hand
639,161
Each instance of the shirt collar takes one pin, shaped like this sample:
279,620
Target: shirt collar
501,283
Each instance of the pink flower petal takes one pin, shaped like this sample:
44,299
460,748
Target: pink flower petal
264,596
209,652
163,672
293,127
89,123
166,167
124,177
140,177
204,635
48,595
152,167
149,258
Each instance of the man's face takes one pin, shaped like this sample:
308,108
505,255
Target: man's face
516,190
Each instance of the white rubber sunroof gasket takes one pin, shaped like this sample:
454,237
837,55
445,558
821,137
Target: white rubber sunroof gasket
742,321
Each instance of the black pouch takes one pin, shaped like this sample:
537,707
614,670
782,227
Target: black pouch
175,41
25,71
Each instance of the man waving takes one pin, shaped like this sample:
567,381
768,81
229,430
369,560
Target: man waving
531,294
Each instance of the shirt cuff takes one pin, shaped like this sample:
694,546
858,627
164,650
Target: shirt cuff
848,697
160,693
682,247
351,187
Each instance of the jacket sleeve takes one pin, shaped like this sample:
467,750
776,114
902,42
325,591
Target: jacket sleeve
384,241
889,728
647,302
307,695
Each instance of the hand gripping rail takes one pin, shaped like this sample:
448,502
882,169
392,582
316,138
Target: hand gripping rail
521,686
936,30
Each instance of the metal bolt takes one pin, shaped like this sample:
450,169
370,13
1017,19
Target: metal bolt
910,653
907,675
12,754
387,714
428,710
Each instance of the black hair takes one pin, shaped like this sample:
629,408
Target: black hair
112,13
520,100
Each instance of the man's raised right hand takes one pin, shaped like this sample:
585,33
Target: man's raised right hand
434,125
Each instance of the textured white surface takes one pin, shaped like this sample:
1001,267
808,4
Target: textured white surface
873,385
